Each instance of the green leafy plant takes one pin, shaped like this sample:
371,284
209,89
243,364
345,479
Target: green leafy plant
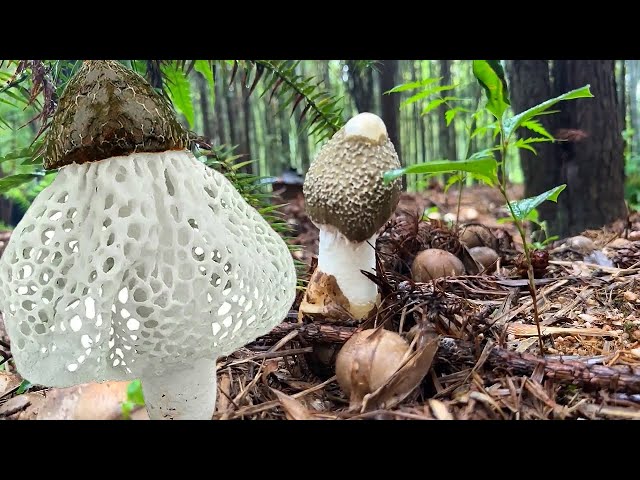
135,398
540,238
24,386
489,166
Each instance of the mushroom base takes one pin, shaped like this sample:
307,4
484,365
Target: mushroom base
323,298
181,394
338,286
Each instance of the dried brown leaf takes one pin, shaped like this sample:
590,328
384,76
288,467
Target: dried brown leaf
405,380
293,409
91,401
22,407
8,382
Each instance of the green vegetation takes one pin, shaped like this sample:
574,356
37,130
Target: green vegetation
483,165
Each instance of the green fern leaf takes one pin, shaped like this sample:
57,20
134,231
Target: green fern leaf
179,90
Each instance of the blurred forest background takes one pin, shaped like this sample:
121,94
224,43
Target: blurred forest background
279,113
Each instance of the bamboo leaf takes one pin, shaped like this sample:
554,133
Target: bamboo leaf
536,127
13,181
203,67
435,103
425,94
522,208
413,85
486,167
450,114
513,123
490,75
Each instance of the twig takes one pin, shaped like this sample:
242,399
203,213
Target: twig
266,355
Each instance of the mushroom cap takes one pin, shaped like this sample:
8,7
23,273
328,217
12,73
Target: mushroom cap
435,263
107,110
140,262
344,187
366,362
486,256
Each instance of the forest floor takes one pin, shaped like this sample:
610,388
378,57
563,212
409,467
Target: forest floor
474,349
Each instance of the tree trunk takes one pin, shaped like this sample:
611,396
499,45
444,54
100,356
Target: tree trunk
361,87
446,134
418,133
207,123
284,150
589,159
622,92
220,110
6,209
231,115
391,102
634,77
593,166
245,147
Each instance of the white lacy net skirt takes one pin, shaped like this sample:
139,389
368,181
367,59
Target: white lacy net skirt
146,261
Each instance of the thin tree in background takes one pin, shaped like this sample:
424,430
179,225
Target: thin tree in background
360,82
446,135
390,103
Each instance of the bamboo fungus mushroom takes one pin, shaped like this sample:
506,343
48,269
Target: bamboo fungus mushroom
348,201
138,261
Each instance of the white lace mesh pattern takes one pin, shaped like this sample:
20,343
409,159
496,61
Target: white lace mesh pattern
140,262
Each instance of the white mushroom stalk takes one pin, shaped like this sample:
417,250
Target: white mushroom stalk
345,260
348,201
138,261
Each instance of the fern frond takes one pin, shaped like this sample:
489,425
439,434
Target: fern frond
320,112
362,65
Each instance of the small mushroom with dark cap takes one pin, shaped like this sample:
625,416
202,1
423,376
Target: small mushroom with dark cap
347,199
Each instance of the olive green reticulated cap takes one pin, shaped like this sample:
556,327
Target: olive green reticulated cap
107,110
344,186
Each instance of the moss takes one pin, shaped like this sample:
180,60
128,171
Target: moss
344,185
107,110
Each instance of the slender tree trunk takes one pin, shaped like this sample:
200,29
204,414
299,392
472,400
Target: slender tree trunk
271,137
417,133
446,134
283,137
361,87
6,208
391,102
246,130
634,77
303,152
221,108
207,123
231,114
622,92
